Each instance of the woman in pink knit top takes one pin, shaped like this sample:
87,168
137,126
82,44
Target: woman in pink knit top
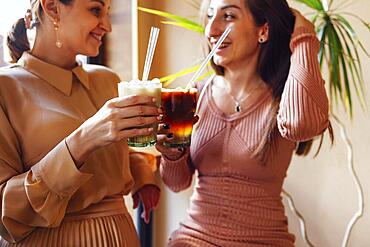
65,165
266,101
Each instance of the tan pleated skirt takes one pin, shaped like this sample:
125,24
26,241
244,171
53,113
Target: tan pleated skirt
91,228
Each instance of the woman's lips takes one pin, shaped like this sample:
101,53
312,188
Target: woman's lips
223,47
97,37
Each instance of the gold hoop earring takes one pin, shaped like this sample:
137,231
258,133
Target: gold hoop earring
58,43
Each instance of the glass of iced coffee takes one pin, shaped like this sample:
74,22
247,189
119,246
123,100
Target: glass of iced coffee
178,107
149,88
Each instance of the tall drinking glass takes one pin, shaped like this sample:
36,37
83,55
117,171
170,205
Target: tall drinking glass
178,111
149,88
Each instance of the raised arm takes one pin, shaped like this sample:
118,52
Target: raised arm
303,112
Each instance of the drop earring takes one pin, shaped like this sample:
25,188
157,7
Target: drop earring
58,43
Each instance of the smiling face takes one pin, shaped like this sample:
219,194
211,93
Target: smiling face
241,45
83,24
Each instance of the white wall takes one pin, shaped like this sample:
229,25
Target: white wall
2,61
176,49
10,11
322,187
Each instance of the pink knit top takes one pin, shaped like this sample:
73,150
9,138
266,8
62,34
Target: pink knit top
236,200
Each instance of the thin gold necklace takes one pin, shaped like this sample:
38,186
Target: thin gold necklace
238,106
238,103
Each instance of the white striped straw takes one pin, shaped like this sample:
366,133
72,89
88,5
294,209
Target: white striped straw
154,33
208,58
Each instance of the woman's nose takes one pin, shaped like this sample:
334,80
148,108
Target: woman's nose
213,28
106,24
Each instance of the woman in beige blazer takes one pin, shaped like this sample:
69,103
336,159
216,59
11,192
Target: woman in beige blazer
64,161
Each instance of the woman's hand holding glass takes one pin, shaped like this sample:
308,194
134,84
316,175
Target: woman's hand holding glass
118,119
165,135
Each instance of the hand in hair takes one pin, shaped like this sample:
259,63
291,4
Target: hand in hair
301,21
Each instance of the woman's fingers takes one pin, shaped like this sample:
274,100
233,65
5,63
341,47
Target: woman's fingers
120,118
195,119
295,11
301,21
164,133
136,122
131,100
164,138
171,153
134,132
146,215
168,151
164,128
138,110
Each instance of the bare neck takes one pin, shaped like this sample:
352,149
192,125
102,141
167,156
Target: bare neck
241,77
45,49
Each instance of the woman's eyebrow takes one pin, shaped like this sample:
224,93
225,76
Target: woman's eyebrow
230,6
99,1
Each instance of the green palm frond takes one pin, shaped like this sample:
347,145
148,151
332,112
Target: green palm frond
350,30
181,21
339,53
356,77
167,80
333,59
195,28
350,41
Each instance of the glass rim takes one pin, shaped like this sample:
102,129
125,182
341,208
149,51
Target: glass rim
139,82
181,90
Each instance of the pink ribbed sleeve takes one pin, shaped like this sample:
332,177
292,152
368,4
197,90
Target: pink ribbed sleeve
178,174
303,112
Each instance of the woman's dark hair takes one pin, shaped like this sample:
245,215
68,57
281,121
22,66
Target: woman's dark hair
17,40
273,63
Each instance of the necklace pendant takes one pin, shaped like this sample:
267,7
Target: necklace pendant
237,107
